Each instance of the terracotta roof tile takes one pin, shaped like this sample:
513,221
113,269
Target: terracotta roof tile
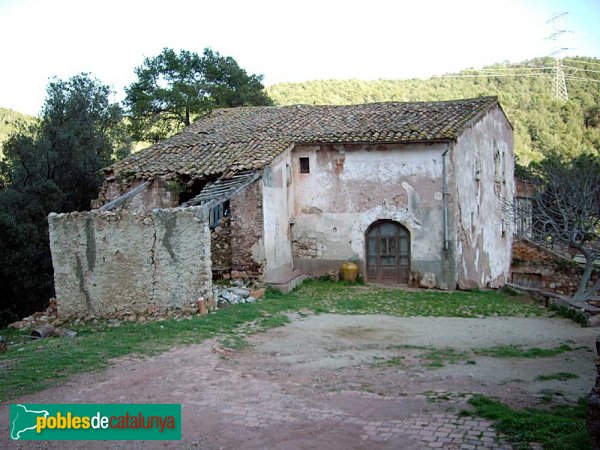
249,138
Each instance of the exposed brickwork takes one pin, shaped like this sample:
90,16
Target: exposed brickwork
247,224
550,272
220,246
305,248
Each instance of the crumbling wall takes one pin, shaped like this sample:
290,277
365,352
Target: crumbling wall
535,267
220,248
160,194
105,262
247,245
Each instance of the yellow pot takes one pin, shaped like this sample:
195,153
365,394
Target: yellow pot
349,272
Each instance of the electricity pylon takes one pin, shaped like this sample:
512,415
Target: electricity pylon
559,86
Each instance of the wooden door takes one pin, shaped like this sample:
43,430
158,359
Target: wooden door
388,252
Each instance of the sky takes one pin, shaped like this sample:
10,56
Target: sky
286,41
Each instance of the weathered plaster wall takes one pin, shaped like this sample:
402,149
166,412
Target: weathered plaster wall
247,244
351,186
484,181
114,261
157,195
277,188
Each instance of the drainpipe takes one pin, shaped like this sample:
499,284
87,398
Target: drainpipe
445,197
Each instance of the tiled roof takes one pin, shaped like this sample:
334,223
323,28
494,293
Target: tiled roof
249,138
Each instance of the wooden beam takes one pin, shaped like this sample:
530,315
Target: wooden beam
120,200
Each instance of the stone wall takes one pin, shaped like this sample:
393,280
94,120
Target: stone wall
247,224
220,246
108,262
535,267
160,194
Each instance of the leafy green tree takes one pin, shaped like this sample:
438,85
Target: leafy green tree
172,89
51,166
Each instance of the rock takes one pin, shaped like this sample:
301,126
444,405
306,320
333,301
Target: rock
333,275
427,280
202,307
141,319
257,293
151,309
243,293
18,325
250,300
467,285
188,310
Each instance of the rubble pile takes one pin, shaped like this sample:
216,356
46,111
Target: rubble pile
221,297
39,319
237,292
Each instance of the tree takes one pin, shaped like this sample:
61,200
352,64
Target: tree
566,211
51,165
172,89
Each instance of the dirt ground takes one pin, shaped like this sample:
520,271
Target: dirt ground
340,382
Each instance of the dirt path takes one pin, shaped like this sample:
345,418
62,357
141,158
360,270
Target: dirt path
340,382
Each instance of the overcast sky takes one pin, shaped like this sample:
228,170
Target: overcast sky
285,41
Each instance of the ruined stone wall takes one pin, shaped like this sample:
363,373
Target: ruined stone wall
160,194
247,244
534,267
220,245
106,262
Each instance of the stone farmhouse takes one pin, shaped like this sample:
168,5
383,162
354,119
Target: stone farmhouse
411,192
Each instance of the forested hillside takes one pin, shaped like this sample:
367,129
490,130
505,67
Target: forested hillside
541,123
8,123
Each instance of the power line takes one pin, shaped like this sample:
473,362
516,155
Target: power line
582,62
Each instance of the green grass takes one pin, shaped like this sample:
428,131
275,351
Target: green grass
517,351
560,376
30,366
558,428
570,313
440,357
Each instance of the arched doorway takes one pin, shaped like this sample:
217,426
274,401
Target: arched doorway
388,252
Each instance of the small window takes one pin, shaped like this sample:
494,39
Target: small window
304,165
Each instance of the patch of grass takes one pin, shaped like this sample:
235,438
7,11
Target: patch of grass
570,313
517,351
439,357
559,428
560,376
395,361
29,366
234,342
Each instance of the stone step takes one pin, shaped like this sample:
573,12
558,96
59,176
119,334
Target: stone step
288,281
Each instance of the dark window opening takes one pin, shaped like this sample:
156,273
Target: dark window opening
304,165
217,213
192,188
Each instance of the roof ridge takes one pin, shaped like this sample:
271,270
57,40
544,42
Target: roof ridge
490,98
